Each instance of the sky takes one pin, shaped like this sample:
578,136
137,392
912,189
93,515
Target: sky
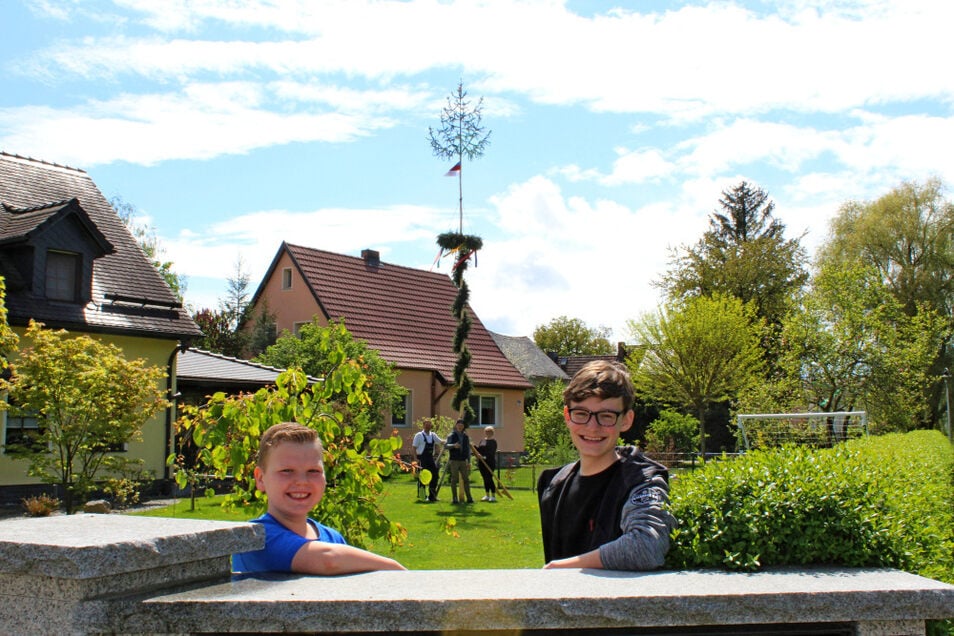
232,126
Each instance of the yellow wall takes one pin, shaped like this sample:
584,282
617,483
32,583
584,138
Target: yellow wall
152,448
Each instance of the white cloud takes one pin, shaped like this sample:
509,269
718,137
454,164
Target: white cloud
685,64
561,255
202,121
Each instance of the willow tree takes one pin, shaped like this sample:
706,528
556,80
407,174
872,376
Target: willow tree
460,135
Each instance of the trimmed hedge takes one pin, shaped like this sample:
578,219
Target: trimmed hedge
884,501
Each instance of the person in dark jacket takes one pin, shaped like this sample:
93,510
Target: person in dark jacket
458,445
487,449
609,509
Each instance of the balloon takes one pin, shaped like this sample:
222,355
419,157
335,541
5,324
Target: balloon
425,476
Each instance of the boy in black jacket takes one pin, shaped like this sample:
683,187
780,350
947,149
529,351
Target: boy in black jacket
609,509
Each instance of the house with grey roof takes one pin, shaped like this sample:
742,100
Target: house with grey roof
69,262
200,373
535,365
405,314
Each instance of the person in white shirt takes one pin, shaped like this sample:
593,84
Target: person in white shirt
426,450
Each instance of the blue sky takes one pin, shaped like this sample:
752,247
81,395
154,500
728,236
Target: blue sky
233,126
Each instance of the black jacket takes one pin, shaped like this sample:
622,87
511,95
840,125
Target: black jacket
632,523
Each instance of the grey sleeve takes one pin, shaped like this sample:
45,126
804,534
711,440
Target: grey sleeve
646,524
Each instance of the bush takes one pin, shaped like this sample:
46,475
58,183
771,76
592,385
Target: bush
874,502
672,432
41,505
123,492
546,436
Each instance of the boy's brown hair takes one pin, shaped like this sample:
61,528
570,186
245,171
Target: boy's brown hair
602,379
281,433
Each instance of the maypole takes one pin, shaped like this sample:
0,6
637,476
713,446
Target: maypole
461,134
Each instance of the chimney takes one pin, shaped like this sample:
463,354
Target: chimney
371,258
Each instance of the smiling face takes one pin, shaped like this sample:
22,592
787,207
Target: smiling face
597,444
293,477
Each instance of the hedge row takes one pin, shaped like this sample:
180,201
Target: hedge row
884,501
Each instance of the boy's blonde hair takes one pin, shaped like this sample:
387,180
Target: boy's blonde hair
602,379
285,432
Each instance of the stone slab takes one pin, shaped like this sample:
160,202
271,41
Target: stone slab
88,546
541,599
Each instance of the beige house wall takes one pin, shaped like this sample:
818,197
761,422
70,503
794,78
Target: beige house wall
152,448
291,305
295,304
508,430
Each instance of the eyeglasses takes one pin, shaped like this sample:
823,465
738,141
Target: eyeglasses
603,418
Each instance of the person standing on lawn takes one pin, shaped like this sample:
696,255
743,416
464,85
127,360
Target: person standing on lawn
426,450
458,445
487,451
609,509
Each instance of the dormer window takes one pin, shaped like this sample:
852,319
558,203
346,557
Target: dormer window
62,275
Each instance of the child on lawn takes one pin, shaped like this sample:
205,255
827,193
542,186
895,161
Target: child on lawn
609,509
290,471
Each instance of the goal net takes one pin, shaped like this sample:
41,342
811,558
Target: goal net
768,430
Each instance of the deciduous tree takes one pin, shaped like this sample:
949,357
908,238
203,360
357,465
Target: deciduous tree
320,350
572,337
8,339
853,346
88,400
546,436
227,429
907,235
703,350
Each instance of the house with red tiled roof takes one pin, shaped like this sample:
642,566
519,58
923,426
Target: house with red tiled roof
69,262
405,314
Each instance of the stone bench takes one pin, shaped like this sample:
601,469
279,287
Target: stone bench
124,574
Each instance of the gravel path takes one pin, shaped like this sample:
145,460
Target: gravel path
17,512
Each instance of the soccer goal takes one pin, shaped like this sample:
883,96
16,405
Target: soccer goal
823,430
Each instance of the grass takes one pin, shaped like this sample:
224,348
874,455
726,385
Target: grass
441,535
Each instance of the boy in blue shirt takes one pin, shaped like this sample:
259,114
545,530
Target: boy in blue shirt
290,471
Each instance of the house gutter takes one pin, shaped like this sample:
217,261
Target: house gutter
171,409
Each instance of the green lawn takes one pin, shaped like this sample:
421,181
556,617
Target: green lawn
441,536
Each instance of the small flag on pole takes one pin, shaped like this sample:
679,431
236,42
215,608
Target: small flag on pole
453,171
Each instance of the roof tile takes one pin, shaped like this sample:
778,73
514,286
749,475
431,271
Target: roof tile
30,184
404,313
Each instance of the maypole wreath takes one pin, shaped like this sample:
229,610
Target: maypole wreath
463,247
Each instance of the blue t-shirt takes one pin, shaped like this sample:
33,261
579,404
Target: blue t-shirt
281,545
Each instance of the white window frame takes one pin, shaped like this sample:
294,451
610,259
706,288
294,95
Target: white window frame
286,278
497,406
